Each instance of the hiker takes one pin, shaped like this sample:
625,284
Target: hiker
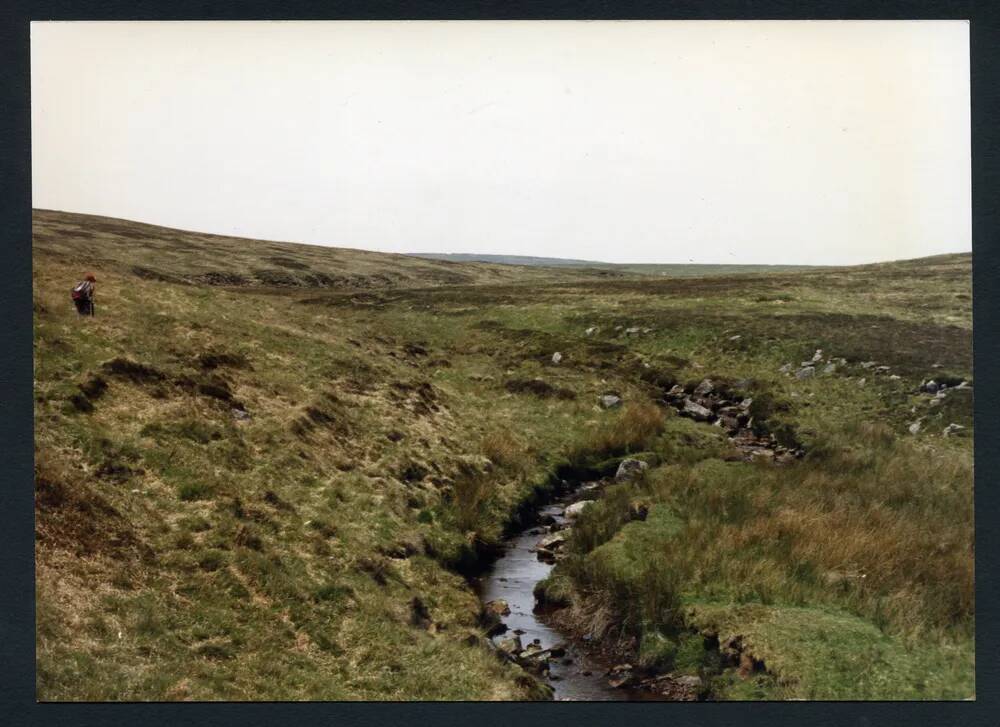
83,295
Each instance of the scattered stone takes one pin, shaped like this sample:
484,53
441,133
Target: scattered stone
629,468
556,357
621,676
867,364
952,429
881,369
736,337
704,388
830,368
929,387
591,331
511,646
861,381
240,415
818,356
915,427
786,369
497,607
696,411
895,377
632,331
610,401
574,510
745,404
806,372
550,542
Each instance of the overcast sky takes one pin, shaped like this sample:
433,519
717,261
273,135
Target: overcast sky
717,142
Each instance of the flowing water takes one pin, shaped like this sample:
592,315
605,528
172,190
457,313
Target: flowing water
512,577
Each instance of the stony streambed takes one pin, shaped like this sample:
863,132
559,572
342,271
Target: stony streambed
564,665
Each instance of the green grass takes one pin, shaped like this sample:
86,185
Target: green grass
184,553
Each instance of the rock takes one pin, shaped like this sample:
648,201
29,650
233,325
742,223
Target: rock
556,357
786,369
881,369
704,388
591,331
497,607
818,356
632,331
915,427
621,676
690,682
609,401
696,411
240,415
511,646
745,404
830,368
929,387
630,468
895,377
952,429
806,372
574,510
736,337
861,381
867,364
675,395
551,542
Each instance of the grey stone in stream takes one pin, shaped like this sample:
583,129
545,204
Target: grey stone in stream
497,607
610,401
629,468
806,372
553,541
511,646
574,510
696,411
705,387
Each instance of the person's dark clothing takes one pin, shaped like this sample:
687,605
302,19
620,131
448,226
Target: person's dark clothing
83,297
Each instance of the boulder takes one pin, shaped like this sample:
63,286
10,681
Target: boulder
610,401
574,510
629,468
696,411
805,372
552,542
511,646
557,357
952,429
704,388
497,607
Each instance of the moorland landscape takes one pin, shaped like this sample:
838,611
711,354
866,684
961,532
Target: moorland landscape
276,471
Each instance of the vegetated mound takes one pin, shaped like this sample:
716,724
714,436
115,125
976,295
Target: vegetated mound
159,253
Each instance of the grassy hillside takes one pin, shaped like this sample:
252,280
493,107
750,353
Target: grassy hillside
258,490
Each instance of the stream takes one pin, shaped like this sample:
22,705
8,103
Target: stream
575,676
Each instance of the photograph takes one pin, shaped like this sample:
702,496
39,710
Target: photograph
502,360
